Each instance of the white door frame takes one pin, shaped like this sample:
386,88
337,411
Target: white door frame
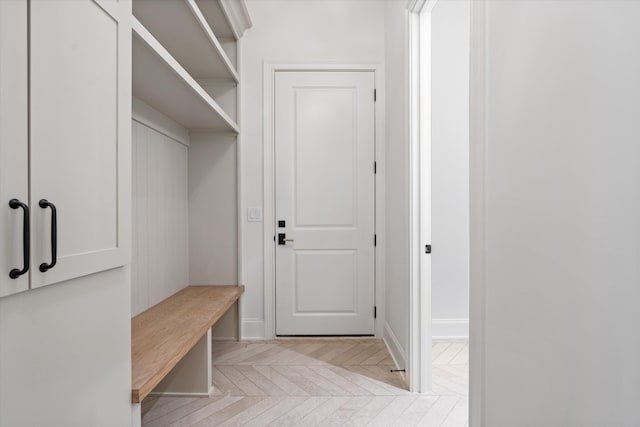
269,184
419,366
478,248
420,287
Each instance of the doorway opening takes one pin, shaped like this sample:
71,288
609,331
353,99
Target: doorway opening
440,234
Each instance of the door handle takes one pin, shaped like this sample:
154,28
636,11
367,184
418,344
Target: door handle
26,240
282,239
44,204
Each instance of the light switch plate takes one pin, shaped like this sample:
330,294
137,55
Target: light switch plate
254,214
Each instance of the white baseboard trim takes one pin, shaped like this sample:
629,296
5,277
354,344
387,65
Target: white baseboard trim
252,329
450,328
169,394
223,339
397,353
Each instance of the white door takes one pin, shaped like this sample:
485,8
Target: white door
14,146
79,137
325,198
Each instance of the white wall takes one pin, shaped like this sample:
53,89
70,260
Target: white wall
450,168
213,213
160,256
562,346
397,173
285,31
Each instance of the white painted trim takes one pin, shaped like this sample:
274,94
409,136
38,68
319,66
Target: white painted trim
478,128
268,202
414,367
253,329
394,347
237,15
419,366
169,394
269,186
415,6
449,329
239,186
145,114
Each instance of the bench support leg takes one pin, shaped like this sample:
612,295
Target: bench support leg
191,377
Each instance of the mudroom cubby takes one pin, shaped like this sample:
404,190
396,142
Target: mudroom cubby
185,137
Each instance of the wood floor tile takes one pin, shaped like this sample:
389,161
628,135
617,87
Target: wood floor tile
319,382
293,417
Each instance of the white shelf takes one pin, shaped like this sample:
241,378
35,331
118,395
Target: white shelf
161,82
182,29
229,19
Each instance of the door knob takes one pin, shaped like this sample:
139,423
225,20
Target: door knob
282,239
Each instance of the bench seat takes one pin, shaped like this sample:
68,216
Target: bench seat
162,335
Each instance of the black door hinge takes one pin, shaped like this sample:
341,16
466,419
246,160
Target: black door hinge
375,95
375,240
427,249
375,312
375,167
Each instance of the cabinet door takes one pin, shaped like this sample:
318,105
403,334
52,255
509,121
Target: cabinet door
14,165
80,136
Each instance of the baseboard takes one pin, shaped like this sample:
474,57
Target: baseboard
397,353
252,329
169,394
450,328
223,339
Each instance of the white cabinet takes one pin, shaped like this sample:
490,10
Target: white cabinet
185,83
14,149
78,138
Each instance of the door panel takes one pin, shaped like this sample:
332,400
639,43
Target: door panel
74,115
326,281
320,148
325,194
14,144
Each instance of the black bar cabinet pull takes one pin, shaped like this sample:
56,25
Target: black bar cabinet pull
44,204
26,240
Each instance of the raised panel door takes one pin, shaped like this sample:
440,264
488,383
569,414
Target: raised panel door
324,160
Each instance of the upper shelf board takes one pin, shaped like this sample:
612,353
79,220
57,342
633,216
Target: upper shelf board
161,82
229,19
182,29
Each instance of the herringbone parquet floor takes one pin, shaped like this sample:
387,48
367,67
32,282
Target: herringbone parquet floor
319,382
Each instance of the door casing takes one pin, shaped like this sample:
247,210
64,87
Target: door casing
269,185
419,354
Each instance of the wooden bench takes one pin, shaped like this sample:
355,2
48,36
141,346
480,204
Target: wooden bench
177,331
